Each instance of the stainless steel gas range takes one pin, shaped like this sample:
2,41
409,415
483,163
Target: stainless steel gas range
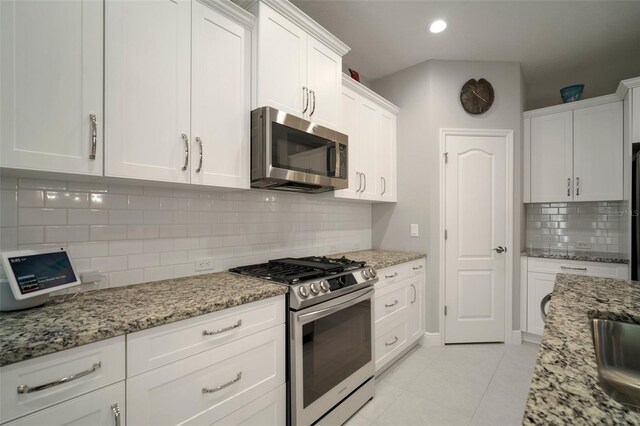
330,335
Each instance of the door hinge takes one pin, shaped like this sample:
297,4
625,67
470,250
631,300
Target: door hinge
446,157
445,310
446,234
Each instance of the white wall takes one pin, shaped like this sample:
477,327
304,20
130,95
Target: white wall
135,234
428,97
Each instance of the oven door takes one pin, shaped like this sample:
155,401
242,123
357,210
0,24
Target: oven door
331,353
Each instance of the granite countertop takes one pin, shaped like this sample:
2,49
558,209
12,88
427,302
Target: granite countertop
587,256
380,259
565,389
66,322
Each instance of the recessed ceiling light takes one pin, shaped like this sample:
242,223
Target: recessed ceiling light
438,26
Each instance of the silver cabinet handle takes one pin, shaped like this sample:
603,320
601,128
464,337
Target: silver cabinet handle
384,185
313,107
543,304
185,139
572,268
365,182
577,186
415,268
305,99
199,142
116,414
222,330
499,249
392,275
225,385
359,181
395,302
28,389
94,136
568,187
415,294
395,340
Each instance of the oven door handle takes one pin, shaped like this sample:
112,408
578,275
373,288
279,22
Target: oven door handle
312,316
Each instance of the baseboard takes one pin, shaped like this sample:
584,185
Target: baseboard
432,339
531,338
516,337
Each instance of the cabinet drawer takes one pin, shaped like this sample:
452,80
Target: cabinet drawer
210,385
390,342
391,302
595,269
155,347
268,410
103,362
98,408
400,272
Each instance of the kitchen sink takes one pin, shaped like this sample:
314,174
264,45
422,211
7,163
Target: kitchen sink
617,347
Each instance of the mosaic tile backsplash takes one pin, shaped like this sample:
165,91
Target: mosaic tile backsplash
134,234
585,226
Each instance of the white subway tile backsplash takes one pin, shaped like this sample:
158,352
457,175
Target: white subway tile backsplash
109,201
31,235
8,239
88,217
107,232
143,202
159,245
109,264
65,234
63,199
30,198
8,208
83,250
126,247
158,273
144,260
34,216
43,184
125,217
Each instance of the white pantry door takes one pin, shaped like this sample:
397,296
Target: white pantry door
475,220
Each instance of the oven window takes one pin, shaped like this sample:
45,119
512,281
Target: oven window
293,149
334,347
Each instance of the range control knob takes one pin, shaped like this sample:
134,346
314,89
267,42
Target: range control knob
303,291
324,286
314,288
366,274
373,273
342,280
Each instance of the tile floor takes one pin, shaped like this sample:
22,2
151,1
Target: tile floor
484,384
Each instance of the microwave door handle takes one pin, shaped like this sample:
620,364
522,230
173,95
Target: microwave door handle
312,316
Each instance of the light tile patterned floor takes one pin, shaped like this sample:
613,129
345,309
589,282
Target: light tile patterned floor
484,384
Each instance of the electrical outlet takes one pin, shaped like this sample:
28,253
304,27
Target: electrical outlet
414,230
583,245
205,264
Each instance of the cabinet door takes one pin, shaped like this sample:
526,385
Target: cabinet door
552,158
635,110
368,119
268,410
416,311
99,408
538,286
51,85
597,152
147,87
386,156
220,98
349,126
282,63
324,77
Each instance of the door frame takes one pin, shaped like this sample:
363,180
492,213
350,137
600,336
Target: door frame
508,135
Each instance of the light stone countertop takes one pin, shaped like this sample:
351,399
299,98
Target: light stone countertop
565,388
380,259
585,256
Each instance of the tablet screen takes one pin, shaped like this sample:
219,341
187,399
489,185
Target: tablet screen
39,272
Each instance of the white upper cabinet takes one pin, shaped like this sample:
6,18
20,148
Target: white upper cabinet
552,157
574,152
298,63
220,100
386,162
147,89
597,146
368,119
635,136
51,85
349,126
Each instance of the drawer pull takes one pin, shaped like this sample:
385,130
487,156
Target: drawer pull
415,268
395,302
222,330
573,269
116,414
393,342
229,383
391,276
27,389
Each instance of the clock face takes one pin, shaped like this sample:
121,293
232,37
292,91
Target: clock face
477,96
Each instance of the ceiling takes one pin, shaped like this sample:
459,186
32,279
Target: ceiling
557,42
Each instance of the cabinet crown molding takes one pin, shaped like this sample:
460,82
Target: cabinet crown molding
606,99
295,15
626,85
232,11
363,90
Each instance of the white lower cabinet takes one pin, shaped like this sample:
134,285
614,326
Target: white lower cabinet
269,409
399,310
104,407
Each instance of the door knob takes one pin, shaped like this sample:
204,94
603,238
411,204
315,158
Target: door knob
500,249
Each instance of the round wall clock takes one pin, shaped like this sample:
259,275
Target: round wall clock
477,96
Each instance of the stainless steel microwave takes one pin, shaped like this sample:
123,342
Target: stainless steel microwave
292,154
